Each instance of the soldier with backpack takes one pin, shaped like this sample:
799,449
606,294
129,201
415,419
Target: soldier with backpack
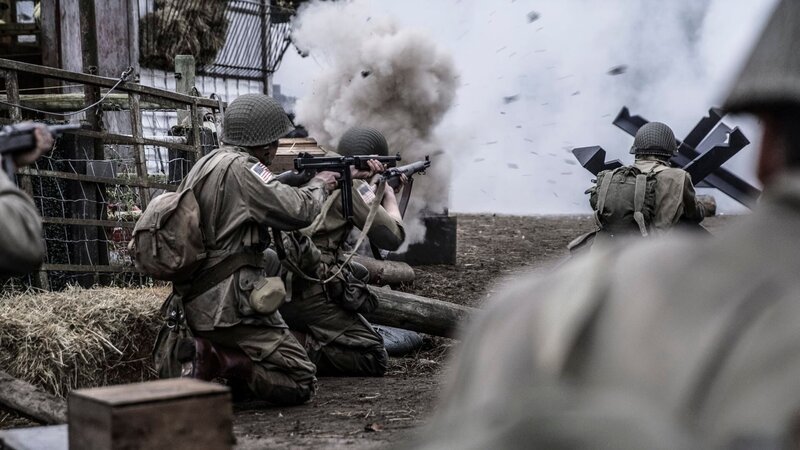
327,316
210,238
647,198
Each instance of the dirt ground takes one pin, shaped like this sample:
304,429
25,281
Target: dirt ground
366,413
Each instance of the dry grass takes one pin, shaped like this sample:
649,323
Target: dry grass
77,338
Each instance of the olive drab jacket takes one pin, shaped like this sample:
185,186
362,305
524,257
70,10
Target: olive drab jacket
21,240
706,331
674,197
330,229
245,199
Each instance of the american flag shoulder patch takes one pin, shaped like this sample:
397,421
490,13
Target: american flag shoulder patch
262,172
366,193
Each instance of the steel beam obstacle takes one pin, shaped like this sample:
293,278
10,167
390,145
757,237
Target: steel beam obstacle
702,153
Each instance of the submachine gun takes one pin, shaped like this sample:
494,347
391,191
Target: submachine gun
19,138
392,177
342,165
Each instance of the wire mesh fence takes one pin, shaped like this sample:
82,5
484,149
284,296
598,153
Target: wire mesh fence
92,187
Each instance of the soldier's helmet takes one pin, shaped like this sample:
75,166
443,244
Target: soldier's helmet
254,120
656,139
771,76
362,141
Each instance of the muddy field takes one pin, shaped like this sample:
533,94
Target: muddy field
362,413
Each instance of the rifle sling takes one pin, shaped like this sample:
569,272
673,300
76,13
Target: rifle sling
373,211
217,273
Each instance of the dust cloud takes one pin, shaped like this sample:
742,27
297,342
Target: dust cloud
397,80
537,78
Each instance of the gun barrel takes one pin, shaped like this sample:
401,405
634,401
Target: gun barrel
339,163
58,129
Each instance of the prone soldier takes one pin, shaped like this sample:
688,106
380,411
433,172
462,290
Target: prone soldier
678,343
327,317
648,197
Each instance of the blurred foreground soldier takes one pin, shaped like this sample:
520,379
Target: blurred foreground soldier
328,319
236,336
21,245
649,197
703,331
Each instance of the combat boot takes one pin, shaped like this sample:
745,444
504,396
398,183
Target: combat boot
202,360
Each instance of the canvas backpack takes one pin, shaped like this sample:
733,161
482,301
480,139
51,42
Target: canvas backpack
624,200
168,242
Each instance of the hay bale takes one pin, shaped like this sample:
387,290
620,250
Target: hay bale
181,27
77,338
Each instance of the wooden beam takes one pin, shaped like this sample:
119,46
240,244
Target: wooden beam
75,77
94,179
416,313
25,399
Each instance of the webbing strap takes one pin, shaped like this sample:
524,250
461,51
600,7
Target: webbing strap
219,272
602,193
373,211
638,203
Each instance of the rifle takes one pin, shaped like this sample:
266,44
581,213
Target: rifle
392,177
342,165
19,138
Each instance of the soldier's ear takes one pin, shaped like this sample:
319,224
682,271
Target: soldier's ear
772,155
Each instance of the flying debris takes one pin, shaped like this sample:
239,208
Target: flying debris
576,93
365,73
512,166
490,143
533,16
478,159
551,181
510,99
618,70
570,162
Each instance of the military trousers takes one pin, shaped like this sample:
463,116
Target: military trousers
340,342
282,372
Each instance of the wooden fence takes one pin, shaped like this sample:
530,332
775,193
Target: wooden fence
96,181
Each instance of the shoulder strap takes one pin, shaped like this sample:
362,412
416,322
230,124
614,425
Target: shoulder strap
213,160
602,193
373,211
638,202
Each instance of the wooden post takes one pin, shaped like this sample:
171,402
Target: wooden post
179,162
416,313
94,116
139,157
184,81
266,13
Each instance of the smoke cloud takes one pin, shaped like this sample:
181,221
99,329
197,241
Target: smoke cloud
377,74
540,78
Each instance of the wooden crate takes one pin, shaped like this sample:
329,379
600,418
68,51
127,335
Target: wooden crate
166,414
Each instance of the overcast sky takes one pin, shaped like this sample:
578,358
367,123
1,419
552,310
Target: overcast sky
534,82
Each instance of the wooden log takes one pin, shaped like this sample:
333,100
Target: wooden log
382,273
417,313
25,399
